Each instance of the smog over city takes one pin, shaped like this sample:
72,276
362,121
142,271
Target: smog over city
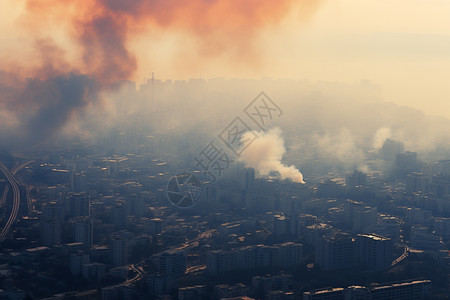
224,149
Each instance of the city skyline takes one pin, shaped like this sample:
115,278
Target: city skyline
401,48
224,149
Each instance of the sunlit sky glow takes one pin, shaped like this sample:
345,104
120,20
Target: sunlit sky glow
402,46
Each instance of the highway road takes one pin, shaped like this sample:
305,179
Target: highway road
14,172
4,196
196,241
139,274
194,269
16,200
402,257
20,167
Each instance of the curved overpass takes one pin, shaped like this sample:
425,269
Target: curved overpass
16,200
14,172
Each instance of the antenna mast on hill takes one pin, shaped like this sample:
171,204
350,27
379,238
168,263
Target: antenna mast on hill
153,90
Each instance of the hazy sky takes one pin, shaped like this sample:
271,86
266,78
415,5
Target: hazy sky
403,46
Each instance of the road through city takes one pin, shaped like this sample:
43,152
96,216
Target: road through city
16,200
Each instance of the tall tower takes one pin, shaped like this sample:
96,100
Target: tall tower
83,231
119,248
153,90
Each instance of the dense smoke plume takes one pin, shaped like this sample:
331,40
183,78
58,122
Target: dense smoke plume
34,109
265,153
340,146
381,136
97,38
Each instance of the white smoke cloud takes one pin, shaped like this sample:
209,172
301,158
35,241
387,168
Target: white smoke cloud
340,145
385,133
264,154
381,136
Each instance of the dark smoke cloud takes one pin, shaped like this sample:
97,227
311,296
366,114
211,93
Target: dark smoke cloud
32,110
44,108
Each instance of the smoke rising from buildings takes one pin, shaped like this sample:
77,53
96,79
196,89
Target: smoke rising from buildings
265,154
381,136
73,77
340,146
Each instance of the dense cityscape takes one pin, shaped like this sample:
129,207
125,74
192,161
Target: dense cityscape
224,149
83,221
